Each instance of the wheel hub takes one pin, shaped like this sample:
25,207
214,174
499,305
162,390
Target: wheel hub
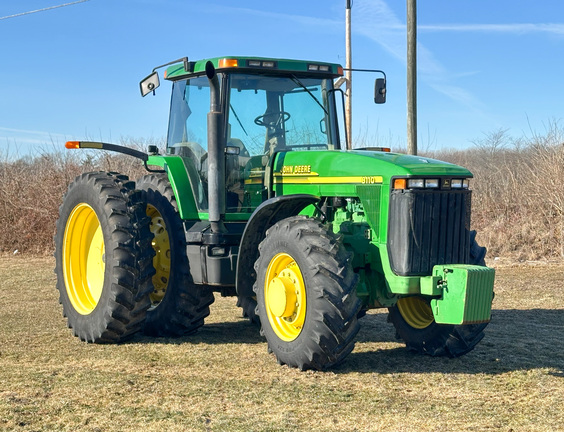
83,259
285,297
282,297
161,261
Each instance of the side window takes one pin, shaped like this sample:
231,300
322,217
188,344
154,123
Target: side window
307,126
187,132
188,115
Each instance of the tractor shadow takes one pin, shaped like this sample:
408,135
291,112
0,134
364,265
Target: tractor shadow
241,331
514,340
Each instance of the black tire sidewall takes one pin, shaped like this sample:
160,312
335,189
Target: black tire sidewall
430,339
85,190
287,351
330,324
185,305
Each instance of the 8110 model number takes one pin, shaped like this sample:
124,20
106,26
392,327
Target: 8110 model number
371,180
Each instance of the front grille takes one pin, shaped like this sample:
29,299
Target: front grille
426,228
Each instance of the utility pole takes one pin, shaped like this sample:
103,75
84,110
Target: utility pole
412,77
348,75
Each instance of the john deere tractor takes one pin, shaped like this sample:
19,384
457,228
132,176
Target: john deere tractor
256,196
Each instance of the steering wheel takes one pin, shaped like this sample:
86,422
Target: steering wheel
283,116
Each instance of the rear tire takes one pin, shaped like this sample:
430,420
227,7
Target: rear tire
103,258
413,320
178,306
249,306
306,294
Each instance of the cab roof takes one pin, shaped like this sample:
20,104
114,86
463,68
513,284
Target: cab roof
255,65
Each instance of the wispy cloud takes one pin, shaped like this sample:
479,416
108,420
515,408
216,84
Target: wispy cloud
11,138
517,28
375,20
5,130
309,21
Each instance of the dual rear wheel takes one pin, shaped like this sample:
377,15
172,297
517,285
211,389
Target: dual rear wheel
178,306
121,261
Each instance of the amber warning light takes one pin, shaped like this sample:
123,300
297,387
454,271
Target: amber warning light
86,144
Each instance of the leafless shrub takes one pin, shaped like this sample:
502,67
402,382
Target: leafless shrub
518,198
31,191
518,201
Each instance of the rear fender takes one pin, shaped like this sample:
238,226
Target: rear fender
180,183
265,216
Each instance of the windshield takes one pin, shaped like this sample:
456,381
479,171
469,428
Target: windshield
270,113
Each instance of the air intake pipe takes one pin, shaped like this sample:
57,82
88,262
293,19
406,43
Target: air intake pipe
216,155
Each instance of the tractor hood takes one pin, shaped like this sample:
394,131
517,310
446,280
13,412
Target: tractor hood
359,166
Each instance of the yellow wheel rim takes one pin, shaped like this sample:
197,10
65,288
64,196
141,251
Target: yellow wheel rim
285,297
83,259
161,261
416,312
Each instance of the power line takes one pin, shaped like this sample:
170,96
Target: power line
44,9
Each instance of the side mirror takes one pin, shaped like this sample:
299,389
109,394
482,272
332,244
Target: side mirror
380,91
149,84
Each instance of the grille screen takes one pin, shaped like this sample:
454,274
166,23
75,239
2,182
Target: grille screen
427,228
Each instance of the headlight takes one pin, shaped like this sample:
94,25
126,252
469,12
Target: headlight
422,183
415,183
431,183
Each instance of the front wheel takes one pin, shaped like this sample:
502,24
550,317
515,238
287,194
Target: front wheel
413,320
306,295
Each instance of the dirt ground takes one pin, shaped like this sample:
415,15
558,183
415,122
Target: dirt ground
223,379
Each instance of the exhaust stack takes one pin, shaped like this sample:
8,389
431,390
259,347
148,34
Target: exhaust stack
216,155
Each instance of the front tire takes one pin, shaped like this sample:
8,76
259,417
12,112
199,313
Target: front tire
413,320
306,294
178,306
103,258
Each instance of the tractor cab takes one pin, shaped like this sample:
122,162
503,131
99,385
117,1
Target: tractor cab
268,107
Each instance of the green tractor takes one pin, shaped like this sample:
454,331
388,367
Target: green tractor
255,197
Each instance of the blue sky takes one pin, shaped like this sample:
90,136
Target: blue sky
73,72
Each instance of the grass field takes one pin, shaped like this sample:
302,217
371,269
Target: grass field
223,379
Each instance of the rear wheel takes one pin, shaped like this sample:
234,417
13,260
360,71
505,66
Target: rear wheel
103,258
413,320
306,295
249,306
178,306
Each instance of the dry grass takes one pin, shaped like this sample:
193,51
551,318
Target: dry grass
518,199
223,379
32,188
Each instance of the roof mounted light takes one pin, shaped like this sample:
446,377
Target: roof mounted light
228,63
